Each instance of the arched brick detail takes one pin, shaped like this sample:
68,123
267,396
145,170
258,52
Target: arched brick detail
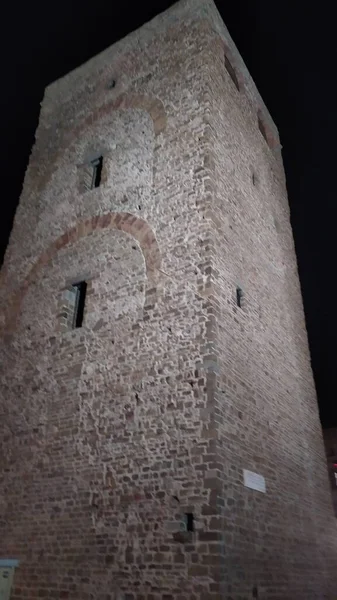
150,104
153,106
131,224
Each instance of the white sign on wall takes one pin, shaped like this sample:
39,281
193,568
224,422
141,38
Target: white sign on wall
7,566
254,481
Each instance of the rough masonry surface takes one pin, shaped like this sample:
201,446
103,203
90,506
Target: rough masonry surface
112,432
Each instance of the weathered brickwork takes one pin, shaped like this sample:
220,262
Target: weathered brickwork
330,442
112,432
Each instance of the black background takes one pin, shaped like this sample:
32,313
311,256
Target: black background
290,52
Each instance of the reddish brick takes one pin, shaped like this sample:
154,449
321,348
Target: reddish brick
112,432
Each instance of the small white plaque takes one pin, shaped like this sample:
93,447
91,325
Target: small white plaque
254,481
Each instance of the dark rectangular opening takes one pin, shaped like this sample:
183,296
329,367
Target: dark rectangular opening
97,166
81,290
231,71
239,296
189,520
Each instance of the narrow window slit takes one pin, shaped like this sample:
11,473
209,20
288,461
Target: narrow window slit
262,129
80,291
189,521
90,174
239,297
97,166
231,71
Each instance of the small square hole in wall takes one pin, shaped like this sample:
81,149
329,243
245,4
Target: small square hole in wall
231,71
91,174
72,307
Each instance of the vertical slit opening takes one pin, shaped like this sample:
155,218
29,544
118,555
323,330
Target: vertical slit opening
239,296
189,521
97,172
262,128
81,290
231,71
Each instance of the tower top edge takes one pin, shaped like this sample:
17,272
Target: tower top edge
189,11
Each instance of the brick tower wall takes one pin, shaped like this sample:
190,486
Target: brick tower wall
330,442
103,439
282,543
112,432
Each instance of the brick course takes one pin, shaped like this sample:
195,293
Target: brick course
112,432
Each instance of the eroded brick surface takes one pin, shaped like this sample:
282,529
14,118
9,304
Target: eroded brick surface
330,442
110,433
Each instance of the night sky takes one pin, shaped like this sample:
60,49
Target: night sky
290,53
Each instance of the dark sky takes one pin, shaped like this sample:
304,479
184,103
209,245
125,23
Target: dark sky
290,53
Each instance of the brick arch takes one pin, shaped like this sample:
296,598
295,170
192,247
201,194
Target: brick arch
149,104
153,106
131,224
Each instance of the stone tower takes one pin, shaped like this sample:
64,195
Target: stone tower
160,436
